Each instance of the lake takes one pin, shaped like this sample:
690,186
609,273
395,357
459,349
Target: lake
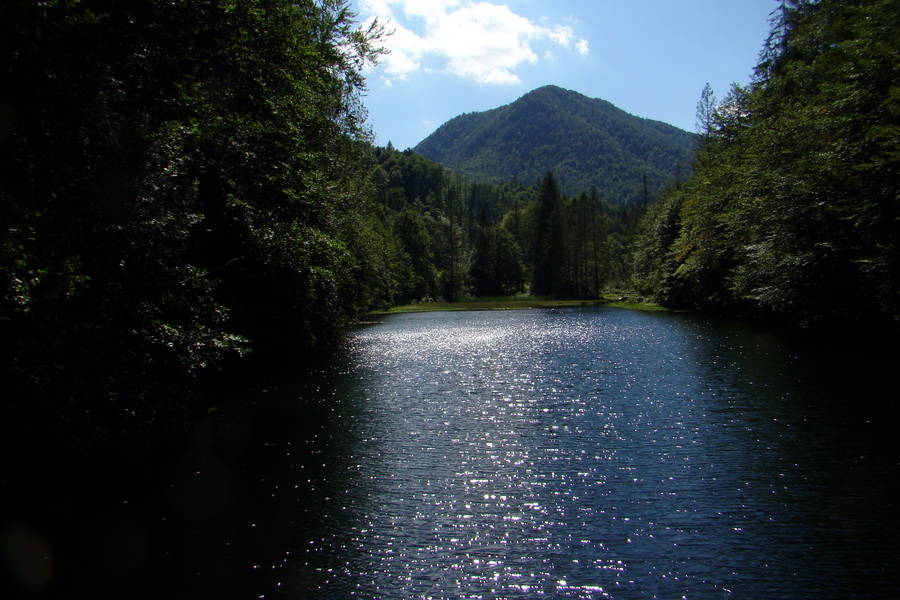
564,453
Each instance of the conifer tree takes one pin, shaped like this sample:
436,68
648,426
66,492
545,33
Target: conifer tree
548,251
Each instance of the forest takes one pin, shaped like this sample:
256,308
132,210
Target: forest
200,191
182,194
453,238
793,209
584,141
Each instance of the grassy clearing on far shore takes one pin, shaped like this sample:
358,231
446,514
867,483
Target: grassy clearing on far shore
520,302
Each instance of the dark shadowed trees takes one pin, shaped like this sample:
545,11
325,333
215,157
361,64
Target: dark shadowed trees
177,185
548,252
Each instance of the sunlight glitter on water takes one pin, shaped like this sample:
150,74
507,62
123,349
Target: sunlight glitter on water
524,426
579,454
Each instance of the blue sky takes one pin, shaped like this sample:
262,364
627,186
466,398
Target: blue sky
650,58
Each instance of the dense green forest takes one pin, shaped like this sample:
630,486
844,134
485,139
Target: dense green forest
584,141
199,190
177,188
793,211
451,237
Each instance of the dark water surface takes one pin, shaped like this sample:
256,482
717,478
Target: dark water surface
594,453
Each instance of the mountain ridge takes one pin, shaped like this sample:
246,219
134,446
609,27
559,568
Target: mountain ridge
584,141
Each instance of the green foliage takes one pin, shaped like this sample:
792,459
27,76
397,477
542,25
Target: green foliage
178,184
585,142
497,239
547,254
793,207
497,268
419,280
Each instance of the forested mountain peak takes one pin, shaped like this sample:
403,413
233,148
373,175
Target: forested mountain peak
584,141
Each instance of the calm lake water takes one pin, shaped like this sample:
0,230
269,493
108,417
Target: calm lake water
577,453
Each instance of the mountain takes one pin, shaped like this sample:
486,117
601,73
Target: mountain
584,141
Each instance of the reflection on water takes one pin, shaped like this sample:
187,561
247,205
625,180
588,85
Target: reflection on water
573,453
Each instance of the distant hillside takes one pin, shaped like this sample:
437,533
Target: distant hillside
584,141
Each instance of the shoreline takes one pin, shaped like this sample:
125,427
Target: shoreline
516,304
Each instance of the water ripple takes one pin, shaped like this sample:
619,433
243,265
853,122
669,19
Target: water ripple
571,454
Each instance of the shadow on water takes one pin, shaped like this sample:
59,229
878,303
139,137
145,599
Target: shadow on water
815,420
214,516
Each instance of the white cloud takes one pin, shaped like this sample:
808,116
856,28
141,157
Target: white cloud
484,42
582,47
476,40
406,53
430,10
380,8
561,34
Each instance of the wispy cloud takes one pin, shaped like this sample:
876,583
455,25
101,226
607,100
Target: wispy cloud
482,41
